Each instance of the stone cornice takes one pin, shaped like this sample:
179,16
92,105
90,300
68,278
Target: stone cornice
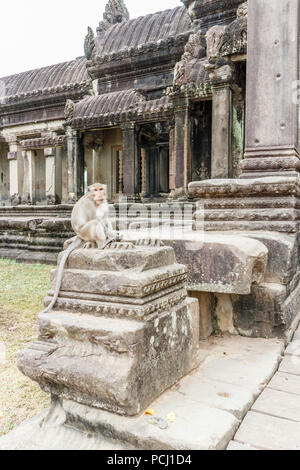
44,142
31,97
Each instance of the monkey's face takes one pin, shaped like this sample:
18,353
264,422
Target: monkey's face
98,194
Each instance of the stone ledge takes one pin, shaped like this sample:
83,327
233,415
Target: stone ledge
216,262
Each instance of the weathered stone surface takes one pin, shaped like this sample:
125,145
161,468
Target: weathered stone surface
233,360
297,335
291,365
283,256
293,349
42,433
262,312
248,204
269,433
227,397
216,262
238,446
277,403
207,306
119,336
196,427
199,423
285,382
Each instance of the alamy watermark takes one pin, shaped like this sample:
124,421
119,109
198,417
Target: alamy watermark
174,221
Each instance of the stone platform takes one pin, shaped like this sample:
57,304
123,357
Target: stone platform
209,405
121,332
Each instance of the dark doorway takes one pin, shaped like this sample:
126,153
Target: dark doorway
201,140
154,149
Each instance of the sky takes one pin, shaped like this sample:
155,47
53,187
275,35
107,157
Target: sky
35,33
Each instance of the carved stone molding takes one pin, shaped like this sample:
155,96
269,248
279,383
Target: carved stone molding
44,142
207,12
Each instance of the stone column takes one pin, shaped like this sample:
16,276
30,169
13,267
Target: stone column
131,168
53,172
15,173
29,193
272,74
182,146
75,165
172,158
221,164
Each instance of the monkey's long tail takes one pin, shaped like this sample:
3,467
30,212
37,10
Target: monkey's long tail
76,244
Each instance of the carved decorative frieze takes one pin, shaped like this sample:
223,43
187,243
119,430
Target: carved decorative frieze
44,142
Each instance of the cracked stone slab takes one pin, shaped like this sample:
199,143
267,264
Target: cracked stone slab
31,436
196,427
234,360
239,446
285,383
220,395
297,335
293,349
278,403
269,432
290,364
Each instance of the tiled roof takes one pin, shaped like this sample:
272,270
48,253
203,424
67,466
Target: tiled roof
55,78
145,29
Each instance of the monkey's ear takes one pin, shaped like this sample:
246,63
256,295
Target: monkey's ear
90,188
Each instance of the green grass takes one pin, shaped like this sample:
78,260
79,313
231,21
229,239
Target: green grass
22,289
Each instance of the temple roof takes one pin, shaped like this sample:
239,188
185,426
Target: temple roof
51,79
112,108
145,29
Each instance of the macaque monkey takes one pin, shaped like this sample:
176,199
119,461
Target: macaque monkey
90,221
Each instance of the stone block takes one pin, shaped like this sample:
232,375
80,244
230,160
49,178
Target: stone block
285,382
206,304
269,432
277,403
262,313
197,426
283,255
227,397
291,365
216,262
116,339
233,445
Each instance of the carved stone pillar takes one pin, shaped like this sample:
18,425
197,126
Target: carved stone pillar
15,172
53,172
272,74
143,172
172,158
221,164
75,165
131,167
29,188
182,146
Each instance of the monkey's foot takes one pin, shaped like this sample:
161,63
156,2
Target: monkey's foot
89,245
69,242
